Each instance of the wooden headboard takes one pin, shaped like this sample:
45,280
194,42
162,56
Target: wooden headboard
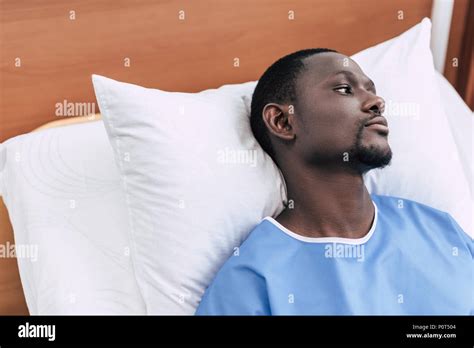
50,48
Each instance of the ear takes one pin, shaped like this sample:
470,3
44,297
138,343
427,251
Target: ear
279,120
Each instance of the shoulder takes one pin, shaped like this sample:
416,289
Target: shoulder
401,206
239,287
257,248
427,221
401,203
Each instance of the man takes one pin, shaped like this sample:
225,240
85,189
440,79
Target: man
338,249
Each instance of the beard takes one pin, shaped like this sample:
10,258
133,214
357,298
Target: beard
369,156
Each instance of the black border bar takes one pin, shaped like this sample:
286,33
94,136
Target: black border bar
290,330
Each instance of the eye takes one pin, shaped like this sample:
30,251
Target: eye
346,89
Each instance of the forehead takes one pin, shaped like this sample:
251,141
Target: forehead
320,66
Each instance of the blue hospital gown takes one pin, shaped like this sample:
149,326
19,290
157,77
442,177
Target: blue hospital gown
414,260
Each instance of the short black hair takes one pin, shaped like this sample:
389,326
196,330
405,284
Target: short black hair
277,85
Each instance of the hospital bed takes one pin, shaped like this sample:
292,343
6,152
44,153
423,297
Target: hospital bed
51,48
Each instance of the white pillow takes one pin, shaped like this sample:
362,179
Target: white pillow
196,183
62,191
426,165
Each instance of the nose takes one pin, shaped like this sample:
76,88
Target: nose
374,104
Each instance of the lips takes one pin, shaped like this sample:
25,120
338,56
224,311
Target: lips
377,120
378,123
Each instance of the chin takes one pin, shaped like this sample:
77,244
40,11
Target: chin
374,156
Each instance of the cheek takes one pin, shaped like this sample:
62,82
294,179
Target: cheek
334,125
329,122
328,138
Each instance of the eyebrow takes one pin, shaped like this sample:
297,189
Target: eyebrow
350,75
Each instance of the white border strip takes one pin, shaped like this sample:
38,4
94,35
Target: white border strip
354,241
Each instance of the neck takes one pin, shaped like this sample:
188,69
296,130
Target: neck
327,203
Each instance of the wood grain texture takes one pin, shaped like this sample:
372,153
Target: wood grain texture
461,48
58,54
465,80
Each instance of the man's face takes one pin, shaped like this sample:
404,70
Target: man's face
335,101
